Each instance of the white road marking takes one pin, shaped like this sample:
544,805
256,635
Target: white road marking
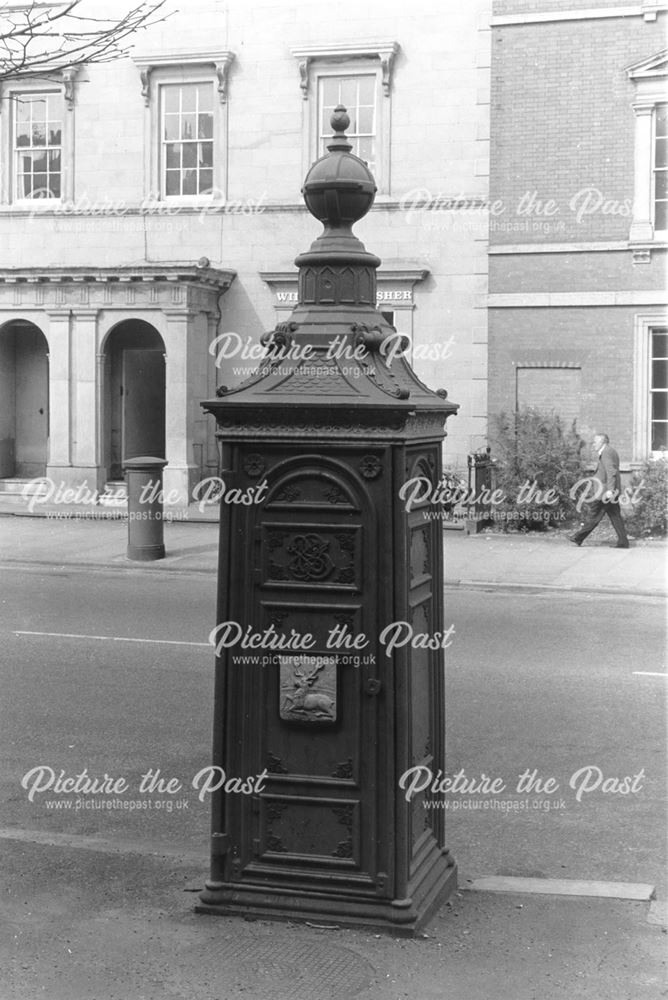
94,843
114,638
563,887
647,673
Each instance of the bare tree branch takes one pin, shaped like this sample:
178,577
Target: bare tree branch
35,40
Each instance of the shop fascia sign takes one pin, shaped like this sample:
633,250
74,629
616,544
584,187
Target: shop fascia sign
383,295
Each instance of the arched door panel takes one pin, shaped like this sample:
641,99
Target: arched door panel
24,401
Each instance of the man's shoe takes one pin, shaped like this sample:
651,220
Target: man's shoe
622,545
576,541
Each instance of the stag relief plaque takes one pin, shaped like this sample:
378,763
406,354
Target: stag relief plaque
308,688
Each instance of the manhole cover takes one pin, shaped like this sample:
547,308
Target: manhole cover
298,968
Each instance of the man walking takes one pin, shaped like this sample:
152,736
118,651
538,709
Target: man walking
607,502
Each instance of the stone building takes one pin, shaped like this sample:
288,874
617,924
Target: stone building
150,214
577,235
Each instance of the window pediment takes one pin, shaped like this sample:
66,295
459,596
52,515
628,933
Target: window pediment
219,59
651,68
383,50
62,77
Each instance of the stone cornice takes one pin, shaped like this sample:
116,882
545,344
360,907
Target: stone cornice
64,76
345,50
411,274
533,300
617,246
220,59
650,68
144,274
204,208
383,49
127,288
647,9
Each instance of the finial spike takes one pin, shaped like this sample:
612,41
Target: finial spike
340,120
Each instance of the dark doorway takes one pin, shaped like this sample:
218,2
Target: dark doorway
134,394
24,401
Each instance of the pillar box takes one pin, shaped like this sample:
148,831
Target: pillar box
329,635
146,529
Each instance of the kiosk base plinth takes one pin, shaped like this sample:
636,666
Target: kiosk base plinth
399,917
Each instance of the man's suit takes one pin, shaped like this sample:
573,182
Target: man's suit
607,473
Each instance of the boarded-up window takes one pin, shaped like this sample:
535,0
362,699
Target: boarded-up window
550,388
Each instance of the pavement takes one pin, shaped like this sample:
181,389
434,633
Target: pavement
97,537
89,919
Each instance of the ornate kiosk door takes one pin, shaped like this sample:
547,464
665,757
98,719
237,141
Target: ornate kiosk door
314,581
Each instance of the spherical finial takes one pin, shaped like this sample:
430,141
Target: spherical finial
339,188
340,119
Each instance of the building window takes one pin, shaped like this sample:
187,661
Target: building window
358,95
660,168
187,151
360,77
38,131
650,196
658,390
650,387
37,140
186,124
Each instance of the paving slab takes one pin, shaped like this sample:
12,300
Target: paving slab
564,887
82,925
512,560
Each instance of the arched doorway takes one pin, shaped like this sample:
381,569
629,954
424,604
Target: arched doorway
134,394
24,400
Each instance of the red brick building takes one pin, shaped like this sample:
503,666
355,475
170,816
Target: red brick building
578,230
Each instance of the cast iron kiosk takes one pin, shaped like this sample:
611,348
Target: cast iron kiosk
330,554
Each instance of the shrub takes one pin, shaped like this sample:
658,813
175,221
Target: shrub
649,510
535,453
453,486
